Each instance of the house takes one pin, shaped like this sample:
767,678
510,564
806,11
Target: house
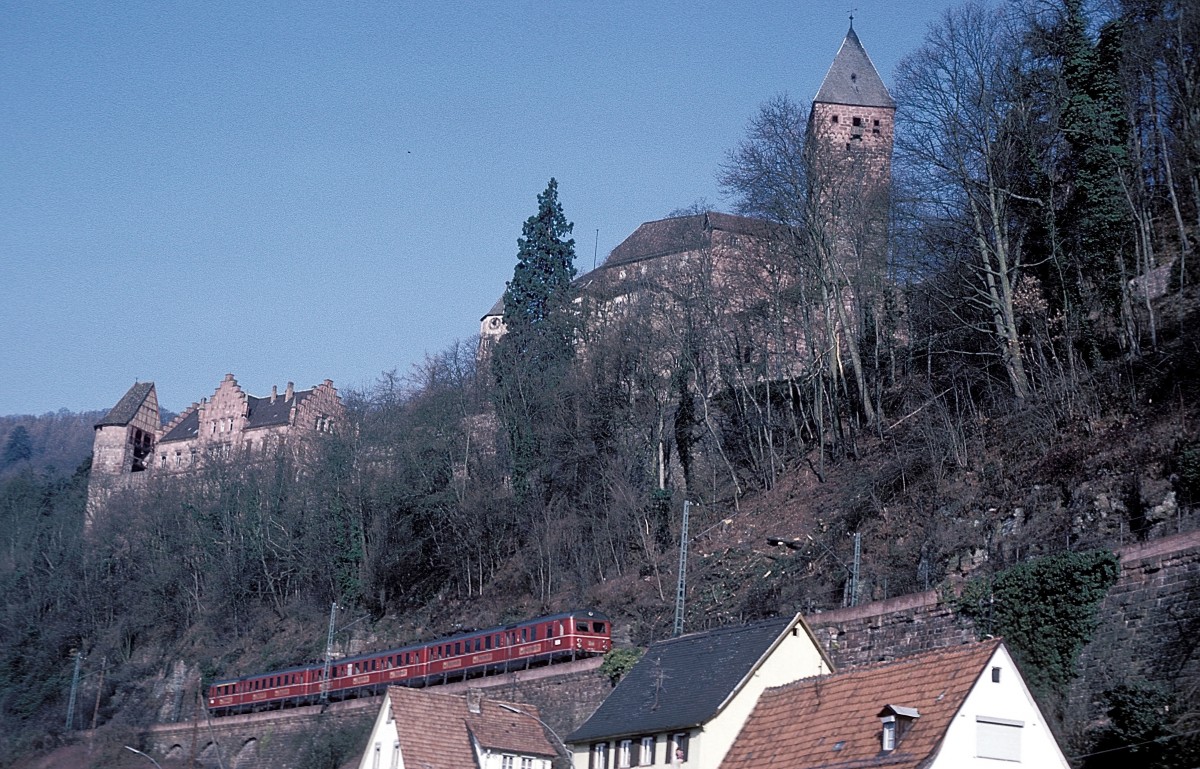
686,698
131,442
954,708
420,729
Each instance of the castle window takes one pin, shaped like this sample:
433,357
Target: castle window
857,122
833,119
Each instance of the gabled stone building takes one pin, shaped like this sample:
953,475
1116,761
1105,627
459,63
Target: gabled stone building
131,443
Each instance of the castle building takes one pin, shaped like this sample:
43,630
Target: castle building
131,442
740,263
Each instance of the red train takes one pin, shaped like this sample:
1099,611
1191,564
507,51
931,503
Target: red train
513,647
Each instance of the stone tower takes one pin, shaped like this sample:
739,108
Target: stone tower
851,126
123,444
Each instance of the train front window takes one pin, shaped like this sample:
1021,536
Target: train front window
582,627
598,627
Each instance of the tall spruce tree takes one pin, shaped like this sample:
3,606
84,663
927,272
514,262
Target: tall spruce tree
531,360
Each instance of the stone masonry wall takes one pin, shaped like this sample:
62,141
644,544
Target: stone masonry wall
1149,627
884,630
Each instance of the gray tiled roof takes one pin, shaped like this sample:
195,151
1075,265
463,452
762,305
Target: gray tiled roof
263,413
682,682
187,428
127,408
852,78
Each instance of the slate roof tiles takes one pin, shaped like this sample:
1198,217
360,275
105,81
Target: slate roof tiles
682,682
127,408
852,79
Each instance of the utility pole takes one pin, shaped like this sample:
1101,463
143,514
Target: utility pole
854,569
681,590
328,653
74,690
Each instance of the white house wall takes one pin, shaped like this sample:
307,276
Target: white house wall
1007,702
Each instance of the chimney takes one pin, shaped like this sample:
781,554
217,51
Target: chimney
274,393
474,701
287,394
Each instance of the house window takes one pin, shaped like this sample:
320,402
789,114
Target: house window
526,762
599,756
996,675
998,738
646,756
679,748
375,758
625,754
506,762
396,755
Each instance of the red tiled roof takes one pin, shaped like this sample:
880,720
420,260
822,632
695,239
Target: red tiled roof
833,721
433,729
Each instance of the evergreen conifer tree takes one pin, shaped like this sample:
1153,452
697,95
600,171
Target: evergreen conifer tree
531,360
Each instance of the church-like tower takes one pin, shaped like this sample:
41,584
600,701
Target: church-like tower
850,167
853,111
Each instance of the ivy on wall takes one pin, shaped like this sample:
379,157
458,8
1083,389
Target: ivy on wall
1044,609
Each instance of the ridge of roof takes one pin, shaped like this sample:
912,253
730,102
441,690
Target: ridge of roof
436,729
127,408
852,78
662,691
832,720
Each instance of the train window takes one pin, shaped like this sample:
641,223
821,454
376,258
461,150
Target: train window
457,648
598,627
487,642
533,633
582,627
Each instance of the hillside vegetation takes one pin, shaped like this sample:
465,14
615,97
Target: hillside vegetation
1024,383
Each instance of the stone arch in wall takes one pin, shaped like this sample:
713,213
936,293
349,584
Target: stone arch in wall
175,751
247,756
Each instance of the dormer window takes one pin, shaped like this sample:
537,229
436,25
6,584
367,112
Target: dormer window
889,733
896,721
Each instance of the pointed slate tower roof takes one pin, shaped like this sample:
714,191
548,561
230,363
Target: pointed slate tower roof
852,78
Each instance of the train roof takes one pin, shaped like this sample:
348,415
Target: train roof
588,613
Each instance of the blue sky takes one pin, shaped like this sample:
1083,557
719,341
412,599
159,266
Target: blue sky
301,190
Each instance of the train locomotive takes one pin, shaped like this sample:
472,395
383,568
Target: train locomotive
545,640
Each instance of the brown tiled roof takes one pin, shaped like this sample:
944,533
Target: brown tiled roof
435,729
127,408
852,78
833,721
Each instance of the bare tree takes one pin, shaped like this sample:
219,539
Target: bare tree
962,127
